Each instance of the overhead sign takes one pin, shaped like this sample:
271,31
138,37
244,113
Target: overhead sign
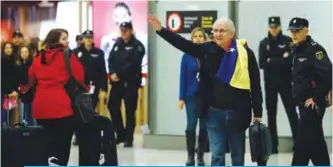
186,21
174,22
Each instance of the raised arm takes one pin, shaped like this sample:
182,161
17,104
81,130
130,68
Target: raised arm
195,50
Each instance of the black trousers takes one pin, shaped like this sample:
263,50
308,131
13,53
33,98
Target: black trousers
59,135
128,91
310,141
272,90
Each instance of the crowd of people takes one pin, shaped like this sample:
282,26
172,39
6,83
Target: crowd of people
218,74
40,79
220,85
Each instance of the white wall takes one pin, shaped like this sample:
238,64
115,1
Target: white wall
253,26
164,64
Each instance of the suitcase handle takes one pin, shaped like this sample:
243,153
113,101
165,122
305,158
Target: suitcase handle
18,125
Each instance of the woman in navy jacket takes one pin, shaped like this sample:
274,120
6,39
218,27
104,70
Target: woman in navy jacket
189,84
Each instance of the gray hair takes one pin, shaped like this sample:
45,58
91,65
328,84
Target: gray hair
229,23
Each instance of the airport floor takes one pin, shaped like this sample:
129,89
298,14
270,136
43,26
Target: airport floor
138,156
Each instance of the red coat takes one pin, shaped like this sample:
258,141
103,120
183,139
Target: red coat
51,100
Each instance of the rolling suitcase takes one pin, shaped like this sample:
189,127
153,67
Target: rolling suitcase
108,149
260,142
97,146
23,145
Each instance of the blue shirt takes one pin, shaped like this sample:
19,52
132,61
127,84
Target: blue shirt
188,77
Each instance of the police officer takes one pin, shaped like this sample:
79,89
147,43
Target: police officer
311,80
93,62
275,60
125,69
78,40
18,40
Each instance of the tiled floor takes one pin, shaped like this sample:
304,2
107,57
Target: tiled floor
138,156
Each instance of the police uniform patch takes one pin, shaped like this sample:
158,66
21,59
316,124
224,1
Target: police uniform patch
139,48
319,55
291,44
79,55
267,47
94,55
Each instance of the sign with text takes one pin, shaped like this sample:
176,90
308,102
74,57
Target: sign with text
186,21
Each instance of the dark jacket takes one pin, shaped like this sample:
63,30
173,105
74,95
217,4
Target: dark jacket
126,58
8,75
94,66
311,64
215,93
22,79
276,68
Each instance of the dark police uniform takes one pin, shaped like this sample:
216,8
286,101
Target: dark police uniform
17,33
125,60
277,76
94,67
311,78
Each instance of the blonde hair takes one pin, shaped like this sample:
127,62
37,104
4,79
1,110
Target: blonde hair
196,30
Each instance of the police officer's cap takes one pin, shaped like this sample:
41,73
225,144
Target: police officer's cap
274,21
298,23
17,33
78,37
127,25
88,33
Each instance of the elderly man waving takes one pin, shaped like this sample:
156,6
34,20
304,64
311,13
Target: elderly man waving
231,82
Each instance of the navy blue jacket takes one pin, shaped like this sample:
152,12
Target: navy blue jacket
188,77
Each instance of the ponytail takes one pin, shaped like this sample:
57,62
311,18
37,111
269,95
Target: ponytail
43,59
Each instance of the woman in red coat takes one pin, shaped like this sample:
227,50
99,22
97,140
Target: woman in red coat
52,105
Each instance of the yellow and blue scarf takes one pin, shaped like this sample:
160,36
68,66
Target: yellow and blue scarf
233,68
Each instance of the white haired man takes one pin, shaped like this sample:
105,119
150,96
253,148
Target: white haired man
232,88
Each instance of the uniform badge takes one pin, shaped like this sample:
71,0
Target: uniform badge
291,44
140,48
79,55
94,55
116,48
319,55
267,47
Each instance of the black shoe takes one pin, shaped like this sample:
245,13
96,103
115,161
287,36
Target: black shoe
190,161
120,140
128,144
202,144
190,144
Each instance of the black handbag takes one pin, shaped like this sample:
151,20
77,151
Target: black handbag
81,101
260,142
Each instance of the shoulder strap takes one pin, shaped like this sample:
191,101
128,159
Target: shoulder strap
67,63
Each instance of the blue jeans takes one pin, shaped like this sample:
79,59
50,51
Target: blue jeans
192,115
219,129
27,114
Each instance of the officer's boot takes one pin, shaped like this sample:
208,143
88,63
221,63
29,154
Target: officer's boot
190,143
202,144
207,146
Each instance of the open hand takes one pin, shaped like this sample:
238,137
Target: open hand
181,104
155,22
114,77
256,119
310,103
